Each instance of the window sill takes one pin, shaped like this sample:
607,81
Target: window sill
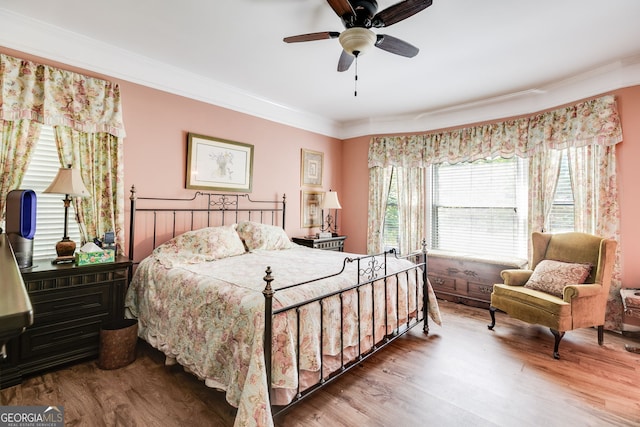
503,261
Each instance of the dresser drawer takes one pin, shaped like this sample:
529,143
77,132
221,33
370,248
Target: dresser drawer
70,303
59,340
442,283
481,290
335,245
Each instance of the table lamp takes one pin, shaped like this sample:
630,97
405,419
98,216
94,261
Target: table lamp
68,182
330,224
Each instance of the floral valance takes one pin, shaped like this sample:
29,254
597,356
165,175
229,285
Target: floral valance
590,122
53,96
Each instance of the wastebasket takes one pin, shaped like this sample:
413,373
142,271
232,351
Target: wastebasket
118,344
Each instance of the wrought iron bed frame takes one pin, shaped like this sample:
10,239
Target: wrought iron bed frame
369,269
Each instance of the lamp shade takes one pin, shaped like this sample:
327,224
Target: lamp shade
331,201
68,181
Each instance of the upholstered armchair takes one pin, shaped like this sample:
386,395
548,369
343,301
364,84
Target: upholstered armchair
565,288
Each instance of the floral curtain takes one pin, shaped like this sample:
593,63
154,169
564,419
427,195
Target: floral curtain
87,115
379,182
544,168
411,213
595,192
411,201
53,96
18,141
590,122
98,155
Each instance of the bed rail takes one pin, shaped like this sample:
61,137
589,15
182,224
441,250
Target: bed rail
370,269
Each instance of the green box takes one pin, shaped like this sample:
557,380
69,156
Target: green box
86,258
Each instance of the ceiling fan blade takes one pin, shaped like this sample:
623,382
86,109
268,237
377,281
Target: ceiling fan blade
312,36
395,45
345,61
399,12
341,7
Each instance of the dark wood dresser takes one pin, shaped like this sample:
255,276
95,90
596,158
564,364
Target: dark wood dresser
70,304
466,280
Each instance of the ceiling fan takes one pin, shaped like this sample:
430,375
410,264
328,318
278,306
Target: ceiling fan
358,16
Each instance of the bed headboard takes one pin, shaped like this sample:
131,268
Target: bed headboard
154,220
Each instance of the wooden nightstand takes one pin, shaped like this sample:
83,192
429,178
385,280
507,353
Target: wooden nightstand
70,304
335,243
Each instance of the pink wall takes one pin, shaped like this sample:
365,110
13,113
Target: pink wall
155,153
628,153
355,187
355,202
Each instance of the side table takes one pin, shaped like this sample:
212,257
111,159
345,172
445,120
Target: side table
335,243
70,304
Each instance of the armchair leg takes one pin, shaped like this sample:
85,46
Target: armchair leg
558,336
600,334
492,312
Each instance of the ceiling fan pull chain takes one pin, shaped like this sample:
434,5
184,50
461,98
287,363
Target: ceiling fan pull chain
355,82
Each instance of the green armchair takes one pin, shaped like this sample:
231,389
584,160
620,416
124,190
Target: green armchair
539,296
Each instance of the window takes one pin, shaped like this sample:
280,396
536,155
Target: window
49,207
480,208
561,217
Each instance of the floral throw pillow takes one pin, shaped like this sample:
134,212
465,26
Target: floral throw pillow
205,244
263,236
552,276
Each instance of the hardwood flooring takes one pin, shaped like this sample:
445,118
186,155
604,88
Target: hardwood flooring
461,374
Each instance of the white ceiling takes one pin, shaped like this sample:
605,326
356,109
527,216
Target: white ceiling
478,60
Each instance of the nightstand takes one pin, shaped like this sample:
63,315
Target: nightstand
335,243
70,304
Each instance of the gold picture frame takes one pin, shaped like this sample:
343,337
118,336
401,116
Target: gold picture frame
311,208
218,164
311,168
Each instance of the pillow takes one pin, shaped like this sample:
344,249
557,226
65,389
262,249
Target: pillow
263,236
552,276
205,244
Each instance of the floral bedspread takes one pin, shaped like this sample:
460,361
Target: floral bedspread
209,317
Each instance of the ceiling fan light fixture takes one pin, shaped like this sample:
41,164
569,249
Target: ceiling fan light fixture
357,39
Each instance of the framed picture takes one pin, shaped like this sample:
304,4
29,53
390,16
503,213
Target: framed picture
218,164
311,168
311,209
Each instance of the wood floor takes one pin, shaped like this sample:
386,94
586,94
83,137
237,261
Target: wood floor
461,374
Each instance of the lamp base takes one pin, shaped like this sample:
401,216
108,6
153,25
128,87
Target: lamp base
65,249
64,260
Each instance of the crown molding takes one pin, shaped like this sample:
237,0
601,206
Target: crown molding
54,43
594,82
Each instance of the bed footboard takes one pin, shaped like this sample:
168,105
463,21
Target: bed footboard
372,271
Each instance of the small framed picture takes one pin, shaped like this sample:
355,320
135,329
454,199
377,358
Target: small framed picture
218,164
311,168
311,209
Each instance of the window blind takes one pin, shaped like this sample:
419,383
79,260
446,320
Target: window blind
480,208
42,169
